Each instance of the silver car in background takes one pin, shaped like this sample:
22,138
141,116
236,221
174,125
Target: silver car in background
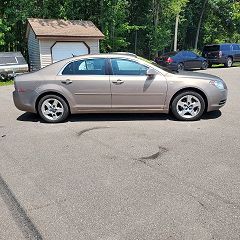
116,83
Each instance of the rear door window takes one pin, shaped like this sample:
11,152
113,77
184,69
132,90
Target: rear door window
191,55
85,67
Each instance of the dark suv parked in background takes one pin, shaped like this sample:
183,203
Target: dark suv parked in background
226,54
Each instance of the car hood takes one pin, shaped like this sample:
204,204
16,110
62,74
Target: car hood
204,76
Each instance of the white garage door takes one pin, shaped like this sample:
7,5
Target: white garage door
63,50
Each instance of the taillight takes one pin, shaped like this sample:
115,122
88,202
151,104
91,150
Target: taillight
220,54
21,90
169,60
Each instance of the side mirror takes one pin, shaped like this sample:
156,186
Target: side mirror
151,72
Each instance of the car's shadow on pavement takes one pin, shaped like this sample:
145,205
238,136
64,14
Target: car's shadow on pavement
212,115
98,117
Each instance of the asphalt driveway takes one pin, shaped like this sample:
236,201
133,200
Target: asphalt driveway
121,176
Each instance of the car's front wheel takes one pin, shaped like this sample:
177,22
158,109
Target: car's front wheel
188,106
53,109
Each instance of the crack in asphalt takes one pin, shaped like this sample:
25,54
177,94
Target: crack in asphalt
90,129
18,213
197,189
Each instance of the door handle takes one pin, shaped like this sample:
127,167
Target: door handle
67,81
118,82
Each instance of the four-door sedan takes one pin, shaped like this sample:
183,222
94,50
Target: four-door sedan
183,60
116,83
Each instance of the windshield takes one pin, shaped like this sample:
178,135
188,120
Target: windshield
158,66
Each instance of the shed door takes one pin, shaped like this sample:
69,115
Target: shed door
63,50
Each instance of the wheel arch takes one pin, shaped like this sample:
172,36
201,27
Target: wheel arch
50,93
190,89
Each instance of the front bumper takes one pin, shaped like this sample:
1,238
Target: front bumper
217,100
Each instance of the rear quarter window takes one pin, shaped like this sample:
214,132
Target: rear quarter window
225,48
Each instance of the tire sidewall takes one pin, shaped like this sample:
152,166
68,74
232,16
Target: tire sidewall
63,102
204,65
180,67
178,97
227,63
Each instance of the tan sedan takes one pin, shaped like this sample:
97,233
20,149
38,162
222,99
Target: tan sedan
116,83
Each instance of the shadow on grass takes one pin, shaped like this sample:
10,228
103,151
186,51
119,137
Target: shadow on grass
103,117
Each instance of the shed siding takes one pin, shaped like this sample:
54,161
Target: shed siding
45,52
33,50
45,49
93,45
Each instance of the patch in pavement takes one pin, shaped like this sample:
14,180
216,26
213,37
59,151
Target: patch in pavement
19,215
90,129
154,156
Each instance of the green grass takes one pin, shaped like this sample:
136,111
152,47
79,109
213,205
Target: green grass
7,83
221,65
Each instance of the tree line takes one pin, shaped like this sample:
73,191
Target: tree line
145,27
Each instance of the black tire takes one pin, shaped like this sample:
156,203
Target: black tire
61,104
199,111
180,67
210,65
229,62
204,65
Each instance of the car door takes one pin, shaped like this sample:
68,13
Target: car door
85,81
192,60
132,89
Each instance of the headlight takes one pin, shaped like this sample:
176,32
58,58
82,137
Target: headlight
217,83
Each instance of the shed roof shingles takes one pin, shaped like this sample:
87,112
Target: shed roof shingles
64,28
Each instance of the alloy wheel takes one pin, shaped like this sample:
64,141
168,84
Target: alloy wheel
52,109
188,106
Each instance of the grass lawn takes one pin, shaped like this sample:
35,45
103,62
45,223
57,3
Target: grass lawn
6,83
221,65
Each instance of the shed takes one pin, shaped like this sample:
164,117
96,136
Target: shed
52,40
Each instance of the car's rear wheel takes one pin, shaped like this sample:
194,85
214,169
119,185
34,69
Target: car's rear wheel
204,65
229,62
53,109
180,67
188,106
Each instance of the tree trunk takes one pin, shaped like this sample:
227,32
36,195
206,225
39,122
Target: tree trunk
199,24
156,9
176,33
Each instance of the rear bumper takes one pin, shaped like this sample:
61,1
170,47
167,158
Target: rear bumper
22,102
217,60
171,66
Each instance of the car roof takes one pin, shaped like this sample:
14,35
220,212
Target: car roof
219,44
103,55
